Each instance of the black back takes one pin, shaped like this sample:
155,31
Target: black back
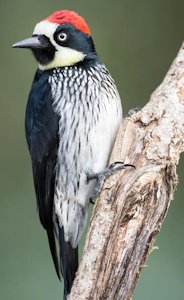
42,136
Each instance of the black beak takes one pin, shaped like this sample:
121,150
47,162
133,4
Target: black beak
34,42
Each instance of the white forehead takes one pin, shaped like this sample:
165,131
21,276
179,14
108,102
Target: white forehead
45,27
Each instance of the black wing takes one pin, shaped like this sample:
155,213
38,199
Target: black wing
42,136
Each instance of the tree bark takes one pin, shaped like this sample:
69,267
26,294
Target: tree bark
133,204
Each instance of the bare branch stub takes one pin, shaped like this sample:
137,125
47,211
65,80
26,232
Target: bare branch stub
133,204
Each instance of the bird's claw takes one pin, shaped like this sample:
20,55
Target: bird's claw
101,176
92,201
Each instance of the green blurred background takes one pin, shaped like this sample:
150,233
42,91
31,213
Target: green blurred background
137,40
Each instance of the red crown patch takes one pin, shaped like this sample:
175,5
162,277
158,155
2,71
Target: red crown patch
69,17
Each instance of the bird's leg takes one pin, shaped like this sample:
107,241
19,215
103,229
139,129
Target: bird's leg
101,176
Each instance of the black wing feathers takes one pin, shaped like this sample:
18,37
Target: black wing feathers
42,137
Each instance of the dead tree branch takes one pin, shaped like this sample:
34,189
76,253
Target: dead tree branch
133,204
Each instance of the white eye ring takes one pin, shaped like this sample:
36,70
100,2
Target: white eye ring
62,36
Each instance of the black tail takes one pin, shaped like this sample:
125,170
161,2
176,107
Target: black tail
53,250
68,261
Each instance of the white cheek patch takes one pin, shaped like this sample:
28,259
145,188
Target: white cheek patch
64,56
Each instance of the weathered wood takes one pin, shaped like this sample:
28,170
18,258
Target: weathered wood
133,204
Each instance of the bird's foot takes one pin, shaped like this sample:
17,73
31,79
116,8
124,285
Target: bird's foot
101,176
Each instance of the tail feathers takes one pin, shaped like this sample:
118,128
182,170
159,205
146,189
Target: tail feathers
68,261
53,250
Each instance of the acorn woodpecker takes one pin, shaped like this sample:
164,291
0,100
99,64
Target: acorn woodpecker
72,117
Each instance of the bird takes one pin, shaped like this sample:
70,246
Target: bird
72,117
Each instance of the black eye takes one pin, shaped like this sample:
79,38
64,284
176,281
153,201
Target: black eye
62,36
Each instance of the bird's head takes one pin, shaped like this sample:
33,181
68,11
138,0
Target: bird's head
62,39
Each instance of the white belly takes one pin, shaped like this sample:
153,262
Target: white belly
87,130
